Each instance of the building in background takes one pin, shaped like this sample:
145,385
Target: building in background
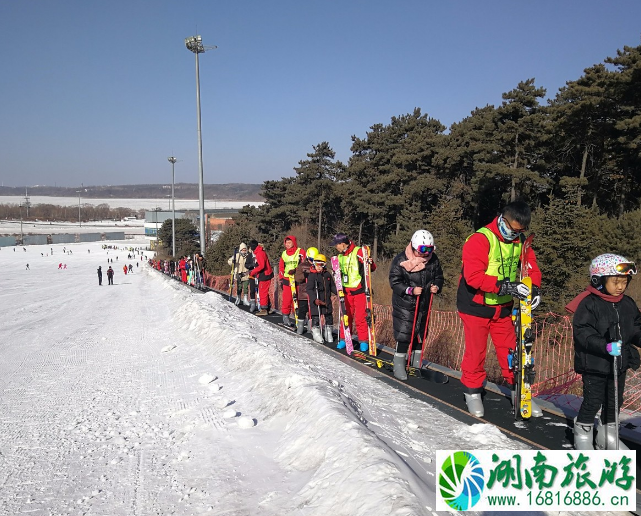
215,222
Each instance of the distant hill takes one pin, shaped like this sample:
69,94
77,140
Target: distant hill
225,192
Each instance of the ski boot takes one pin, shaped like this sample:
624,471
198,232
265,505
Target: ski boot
286,321
300,327
536,410
252,307
416,358
245,300
329,337
237,302
400,359
263,311
364,346
341,344
606,437
474,404
583,436
316,335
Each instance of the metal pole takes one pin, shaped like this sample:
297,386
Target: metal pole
173,208
201,188
79,219
21,235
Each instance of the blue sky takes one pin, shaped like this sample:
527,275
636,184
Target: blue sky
102,92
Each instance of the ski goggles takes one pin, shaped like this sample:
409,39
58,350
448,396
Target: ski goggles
626,268
424,249
320,264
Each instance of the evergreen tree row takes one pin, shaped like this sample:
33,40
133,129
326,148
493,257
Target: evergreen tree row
576,159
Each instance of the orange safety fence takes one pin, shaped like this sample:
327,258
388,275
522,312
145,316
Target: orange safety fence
553,350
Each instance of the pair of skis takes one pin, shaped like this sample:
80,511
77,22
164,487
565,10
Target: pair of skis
342,309
520,359
369,303
423,372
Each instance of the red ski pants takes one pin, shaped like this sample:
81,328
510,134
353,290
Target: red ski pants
356,308
476,331
286,300
263,292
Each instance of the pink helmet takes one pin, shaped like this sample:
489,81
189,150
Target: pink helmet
611,265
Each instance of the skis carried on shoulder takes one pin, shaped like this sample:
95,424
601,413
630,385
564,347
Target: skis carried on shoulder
418,372
520,360
369,304
292,286
338,280
233,273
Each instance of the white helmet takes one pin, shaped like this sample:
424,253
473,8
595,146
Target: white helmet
611,265
423,239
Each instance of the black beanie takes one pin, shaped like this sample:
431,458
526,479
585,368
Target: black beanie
253,244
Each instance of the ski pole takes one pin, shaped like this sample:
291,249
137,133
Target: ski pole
427,323
616,404
409,350
320,320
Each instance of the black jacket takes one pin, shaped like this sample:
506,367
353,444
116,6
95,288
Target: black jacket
403,305
596,322
320,286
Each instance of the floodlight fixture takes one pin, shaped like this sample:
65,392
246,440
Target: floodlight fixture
195,44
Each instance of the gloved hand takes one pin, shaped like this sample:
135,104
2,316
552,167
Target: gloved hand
513,288
614,348
318,302
536,296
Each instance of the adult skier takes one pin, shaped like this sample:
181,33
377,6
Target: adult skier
110,276
415,276
242,274
290,258
264,272
484,299
99,275
607,331
350,258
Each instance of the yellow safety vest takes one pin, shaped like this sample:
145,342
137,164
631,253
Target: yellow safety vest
349,269
290,262
503,262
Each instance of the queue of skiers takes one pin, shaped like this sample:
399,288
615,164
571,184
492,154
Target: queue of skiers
606,323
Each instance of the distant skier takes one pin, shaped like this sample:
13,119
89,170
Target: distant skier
264,273
124,269
99,275
60,266
28,269
110,275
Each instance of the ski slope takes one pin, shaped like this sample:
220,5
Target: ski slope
146,398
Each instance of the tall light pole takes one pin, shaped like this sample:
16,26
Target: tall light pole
195,44
79,219
173,160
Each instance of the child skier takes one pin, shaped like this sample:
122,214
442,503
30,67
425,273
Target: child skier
320,286
607,327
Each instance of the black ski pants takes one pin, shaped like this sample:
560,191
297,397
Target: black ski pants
598,392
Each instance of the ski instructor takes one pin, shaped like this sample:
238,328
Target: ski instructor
484,300
415,276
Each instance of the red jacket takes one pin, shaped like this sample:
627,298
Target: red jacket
290,252
474,282
263,270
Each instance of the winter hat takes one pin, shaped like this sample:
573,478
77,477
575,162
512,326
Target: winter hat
253,244
242,246
340,238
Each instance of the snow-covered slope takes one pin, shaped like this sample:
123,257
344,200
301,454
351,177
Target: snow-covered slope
147,398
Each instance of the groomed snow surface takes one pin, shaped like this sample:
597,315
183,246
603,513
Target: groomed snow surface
145,398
